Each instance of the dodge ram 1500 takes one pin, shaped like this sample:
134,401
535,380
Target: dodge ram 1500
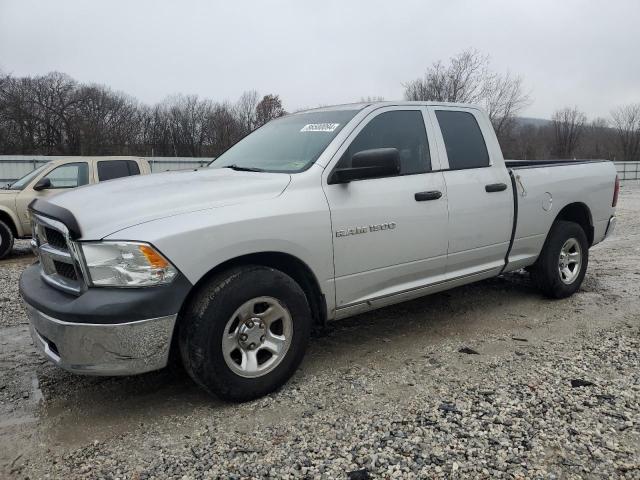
316,216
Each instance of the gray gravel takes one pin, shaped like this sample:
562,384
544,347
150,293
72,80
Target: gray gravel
11,311
552,391
511,422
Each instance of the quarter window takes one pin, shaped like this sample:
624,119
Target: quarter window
463,140
69,175
108,170
402,129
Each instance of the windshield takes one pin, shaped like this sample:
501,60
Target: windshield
289,144
24,181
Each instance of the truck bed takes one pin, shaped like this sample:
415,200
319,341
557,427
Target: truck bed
542,192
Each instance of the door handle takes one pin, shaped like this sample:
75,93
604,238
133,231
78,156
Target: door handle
496,187
424,196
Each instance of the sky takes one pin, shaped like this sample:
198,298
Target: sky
569,53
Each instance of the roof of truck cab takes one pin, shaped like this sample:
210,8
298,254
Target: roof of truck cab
95,158
108,157
363,105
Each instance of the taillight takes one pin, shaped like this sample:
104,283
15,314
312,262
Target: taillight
616,190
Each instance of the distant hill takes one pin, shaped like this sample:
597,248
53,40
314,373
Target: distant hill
536,122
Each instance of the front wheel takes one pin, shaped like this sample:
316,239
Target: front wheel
562,265
6,239
245,332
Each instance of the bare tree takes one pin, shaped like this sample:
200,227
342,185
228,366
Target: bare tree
224,128
598,141
187,118
468,79
54,114
105,122
568,125
245,110
461,81
503,98
40,109
6,120
268,108
626,121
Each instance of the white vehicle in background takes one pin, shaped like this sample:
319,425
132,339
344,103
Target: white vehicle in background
55,177
316,216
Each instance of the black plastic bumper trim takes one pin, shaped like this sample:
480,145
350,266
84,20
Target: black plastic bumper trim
103,305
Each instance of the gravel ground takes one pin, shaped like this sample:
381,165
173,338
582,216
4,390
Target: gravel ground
546,389
11,310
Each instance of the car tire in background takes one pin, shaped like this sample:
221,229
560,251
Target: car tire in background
6,239
561,267
244,333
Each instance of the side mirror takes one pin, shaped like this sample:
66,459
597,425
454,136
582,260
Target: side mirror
42,184
379,162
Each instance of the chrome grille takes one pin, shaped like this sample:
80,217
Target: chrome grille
58,257
55,238
66,270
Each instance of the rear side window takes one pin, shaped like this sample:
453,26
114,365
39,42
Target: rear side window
402,129
110,169
463,140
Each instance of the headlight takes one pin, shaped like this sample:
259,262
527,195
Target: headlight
126,264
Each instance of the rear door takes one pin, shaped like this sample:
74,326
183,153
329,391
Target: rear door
387,237
479,192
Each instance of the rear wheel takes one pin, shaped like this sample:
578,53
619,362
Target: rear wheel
245,332
562,265
6,239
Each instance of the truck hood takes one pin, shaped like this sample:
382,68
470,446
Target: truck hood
105,208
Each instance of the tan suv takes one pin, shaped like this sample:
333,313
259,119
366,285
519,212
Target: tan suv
54,177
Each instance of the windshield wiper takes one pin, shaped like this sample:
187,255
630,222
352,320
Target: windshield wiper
243,169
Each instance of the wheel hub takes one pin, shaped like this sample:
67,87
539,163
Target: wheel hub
251,334
570,261
257,337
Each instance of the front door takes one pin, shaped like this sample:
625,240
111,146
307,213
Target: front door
389,234
61,178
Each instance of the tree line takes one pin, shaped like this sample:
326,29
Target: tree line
468,78
55,115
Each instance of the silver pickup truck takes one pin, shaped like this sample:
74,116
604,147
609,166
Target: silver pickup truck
316,216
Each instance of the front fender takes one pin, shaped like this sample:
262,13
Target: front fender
198,242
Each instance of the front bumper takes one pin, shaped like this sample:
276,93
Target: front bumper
103,331
103,349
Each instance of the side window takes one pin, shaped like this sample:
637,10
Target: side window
401,129
69,175
110,169
463,140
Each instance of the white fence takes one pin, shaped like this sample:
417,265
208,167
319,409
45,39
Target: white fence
628,170
13,167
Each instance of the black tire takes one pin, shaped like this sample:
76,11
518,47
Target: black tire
203,324
546,273
6,239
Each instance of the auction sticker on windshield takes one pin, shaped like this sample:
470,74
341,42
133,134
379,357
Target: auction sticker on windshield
320,127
